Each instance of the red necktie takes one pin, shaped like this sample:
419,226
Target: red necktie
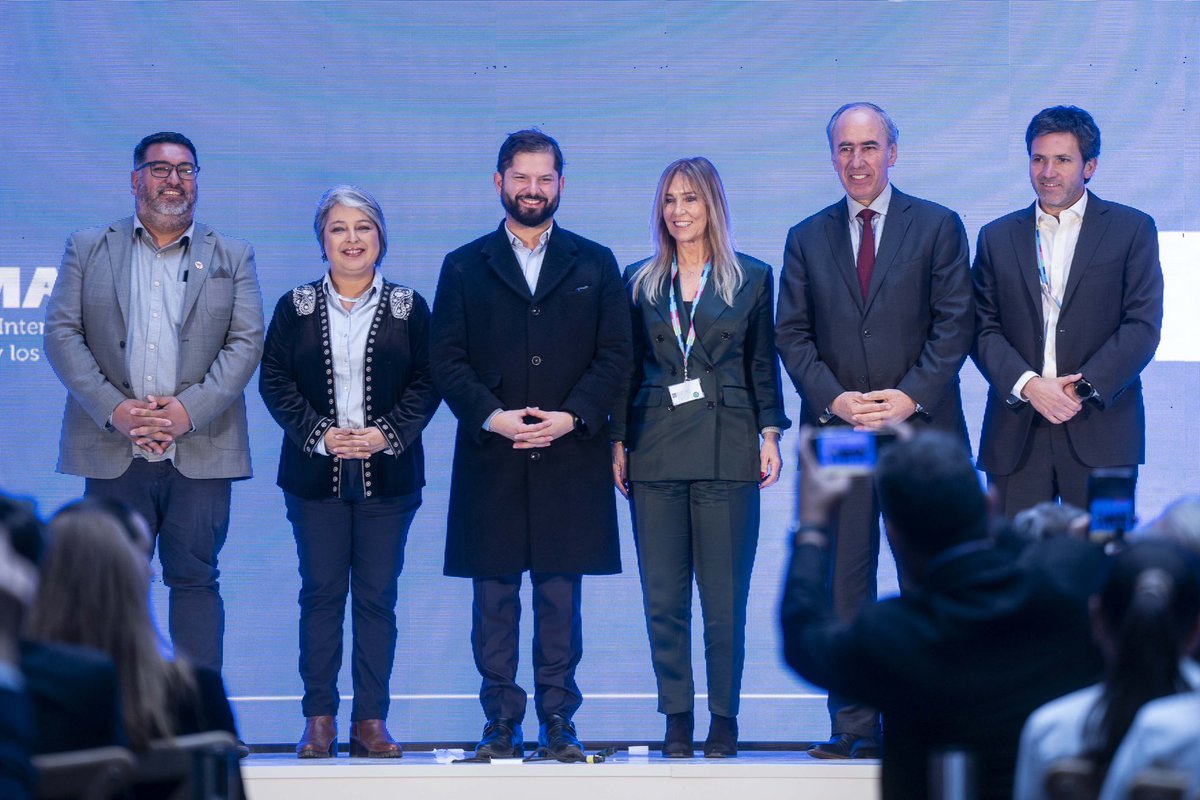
866,251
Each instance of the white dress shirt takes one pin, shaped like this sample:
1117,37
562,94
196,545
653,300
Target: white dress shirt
530,260
1059,237
880,206
348,330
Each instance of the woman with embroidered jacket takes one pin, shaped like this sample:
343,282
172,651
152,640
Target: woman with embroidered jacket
696,441
345,373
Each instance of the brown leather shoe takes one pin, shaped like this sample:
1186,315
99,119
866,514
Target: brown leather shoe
319,739
369,738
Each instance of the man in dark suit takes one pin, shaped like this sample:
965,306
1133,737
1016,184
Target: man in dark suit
1070,299
154,327
980,638
875,319
530,346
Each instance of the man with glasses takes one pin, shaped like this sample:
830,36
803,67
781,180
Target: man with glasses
155,326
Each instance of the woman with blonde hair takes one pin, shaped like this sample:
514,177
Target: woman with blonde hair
695,442
94,591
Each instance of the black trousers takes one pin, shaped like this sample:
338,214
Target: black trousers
189,520
853,583
708,529
353,546
1048,470
557,644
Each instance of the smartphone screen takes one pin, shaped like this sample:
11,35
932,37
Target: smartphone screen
846,448
1110,503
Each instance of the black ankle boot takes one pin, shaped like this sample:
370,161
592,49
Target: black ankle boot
722,737
677,743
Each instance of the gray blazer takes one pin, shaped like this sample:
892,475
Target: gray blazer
220,344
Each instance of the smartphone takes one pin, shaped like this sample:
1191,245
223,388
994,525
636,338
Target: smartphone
847,449
1110,503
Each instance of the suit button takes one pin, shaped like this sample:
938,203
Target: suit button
726,335
711,405
122,345
125,384
708,369
535,456
536,361
535,311
867,333
658,338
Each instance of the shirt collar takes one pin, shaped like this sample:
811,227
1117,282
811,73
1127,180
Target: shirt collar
139,228
879,205
1076,209
376,287
516,242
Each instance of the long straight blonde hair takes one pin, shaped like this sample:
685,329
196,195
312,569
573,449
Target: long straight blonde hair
653,277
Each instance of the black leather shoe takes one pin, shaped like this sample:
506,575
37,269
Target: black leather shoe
865,747
677,743
556,739
722,737
846,745
501,739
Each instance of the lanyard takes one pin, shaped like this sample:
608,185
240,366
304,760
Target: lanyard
686,348
1043,273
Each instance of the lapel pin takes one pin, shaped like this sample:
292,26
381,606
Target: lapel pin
199,265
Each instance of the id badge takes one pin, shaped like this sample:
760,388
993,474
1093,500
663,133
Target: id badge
686,392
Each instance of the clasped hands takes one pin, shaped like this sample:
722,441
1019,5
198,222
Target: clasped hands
549,426
354,443
152,424
873,410
1053,398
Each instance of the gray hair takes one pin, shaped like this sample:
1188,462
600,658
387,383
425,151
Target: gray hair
351,197
893,133
1048,520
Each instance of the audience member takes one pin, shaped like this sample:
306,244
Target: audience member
1047,520
1164,734
17,581
72,691
1178,522
980,641
1145,620
94,592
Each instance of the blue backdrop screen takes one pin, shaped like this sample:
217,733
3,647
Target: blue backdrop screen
411,101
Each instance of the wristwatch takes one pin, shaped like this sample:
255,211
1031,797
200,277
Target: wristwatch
1084,390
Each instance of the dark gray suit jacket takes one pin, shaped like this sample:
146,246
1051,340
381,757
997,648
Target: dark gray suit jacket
1108,330
912,333
716,438
220,343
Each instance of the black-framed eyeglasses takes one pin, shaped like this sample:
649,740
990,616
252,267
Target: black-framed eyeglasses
162,169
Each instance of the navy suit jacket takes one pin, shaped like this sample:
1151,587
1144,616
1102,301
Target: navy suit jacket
914,329
1108,330
564,347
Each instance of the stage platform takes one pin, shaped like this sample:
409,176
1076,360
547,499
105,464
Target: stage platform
753,775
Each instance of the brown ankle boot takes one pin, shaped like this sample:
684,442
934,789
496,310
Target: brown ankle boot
369,738
319,739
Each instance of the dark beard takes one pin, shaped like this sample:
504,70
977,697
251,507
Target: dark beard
529,217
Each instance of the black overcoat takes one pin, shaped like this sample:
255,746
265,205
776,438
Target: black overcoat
566,347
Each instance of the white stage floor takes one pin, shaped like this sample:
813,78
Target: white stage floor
753,775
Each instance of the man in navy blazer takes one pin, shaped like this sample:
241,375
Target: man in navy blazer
1070,298
875,320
